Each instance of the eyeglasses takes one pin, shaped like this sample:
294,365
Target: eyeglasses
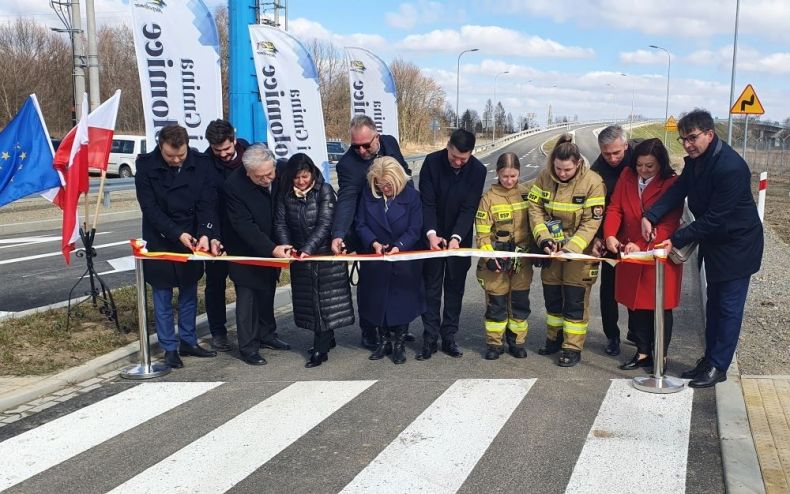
690,138
366,146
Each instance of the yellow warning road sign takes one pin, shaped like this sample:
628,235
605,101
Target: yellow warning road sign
671,124
748,103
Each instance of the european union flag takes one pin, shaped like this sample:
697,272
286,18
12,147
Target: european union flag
26,155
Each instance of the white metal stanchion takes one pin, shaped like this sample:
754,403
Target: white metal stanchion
145,369
658,382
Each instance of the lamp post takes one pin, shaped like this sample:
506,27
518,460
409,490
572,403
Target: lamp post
458,83
633,96
493,135
666,110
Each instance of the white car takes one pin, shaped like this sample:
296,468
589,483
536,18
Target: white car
123,154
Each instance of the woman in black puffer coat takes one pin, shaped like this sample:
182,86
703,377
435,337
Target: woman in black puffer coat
320,290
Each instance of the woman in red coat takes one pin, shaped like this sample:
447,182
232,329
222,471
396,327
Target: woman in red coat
647,177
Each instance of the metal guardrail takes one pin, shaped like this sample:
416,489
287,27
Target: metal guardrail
110,186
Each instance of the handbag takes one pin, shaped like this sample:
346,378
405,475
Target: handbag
681,255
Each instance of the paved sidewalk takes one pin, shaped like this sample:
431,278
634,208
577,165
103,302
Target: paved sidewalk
768,406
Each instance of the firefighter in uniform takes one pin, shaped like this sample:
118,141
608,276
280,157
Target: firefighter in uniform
501,224
566,206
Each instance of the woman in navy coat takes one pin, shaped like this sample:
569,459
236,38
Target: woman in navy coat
388,221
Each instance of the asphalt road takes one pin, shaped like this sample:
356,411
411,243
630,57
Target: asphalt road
354,425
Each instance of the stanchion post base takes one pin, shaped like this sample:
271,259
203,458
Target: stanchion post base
654,384
142,371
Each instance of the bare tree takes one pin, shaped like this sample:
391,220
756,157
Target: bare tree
333,84
420,100
118,70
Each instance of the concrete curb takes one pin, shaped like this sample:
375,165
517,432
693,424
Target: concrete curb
114,360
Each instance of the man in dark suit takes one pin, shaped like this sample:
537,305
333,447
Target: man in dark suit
451,184
717,182
176,193
352,169
250,194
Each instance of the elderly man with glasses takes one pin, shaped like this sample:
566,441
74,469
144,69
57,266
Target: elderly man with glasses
352,168
717,182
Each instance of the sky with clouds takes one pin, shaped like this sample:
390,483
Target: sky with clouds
567,54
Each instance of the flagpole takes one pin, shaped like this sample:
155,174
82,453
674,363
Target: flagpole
98,199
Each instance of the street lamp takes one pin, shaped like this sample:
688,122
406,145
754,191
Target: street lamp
633,96
458,82
666,110
493,135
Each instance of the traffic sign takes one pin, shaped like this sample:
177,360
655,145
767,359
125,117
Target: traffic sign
748,103
671,124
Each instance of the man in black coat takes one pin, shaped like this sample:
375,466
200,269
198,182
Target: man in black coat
717,182
451,184
225,152
176,192
352,169
250,194
614,158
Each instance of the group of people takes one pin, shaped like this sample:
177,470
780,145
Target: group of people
237,198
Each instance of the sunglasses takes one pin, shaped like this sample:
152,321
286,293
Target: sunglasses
691,138
366,146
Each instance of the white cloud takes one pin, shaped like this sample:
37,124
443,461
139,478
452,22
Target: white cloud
492,40
679,18
409,15
643,57
775,63
306,29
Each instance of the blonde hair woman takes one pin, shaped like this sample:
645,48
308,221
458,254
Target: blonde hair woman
389,220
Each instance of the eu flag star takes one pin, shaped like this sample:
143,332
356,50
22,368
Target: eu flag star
23,155
5,155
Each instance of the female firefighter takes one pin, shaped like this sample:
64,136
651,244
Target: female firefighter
566,206
501,225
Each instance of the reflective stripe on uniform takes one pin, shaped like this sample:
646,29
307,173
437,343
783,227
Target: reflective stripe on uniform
486,246
539,228
594,201
552,320
517,326
565,207
579,241
536,194
574,327
495,326
481,215
518,206
501,208
483,228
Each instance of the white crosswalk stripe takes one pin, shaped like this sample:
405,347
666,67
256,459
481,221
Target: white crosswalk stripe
50,444
638,442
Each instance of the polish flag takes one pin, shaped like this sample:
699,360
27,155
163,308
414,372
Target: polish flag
101,126
71,161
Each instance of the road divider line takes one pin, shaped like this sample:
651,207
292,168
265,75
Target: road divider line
638,443
437,452
37,450
228,454
58,253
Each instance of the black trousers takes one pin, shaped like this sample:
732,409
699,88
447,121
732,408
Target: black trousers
216,274
609,309
443,276
641,323
254,317
322,341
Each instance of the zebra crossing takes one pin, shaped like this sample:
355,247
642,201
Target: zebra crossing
353,436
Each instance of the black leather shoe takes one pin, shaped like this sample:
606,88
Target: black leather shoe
369,341
636,362
569,358
551,347
220,343
494,352
452,349
195,351
428,349
518,352
316,359
173,360
613,347
708,378
384,348
699,367
254,359
275,343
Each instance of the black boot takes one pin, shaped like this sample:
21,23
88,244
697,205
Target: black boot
518,351
398,355
428,349
384,345
493,352
551,347
316,358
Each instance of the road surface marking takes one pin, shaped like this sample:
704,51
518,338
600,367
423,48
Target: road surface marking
120,264
58,253
437,451
37,450
5,243
638,443
228,454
